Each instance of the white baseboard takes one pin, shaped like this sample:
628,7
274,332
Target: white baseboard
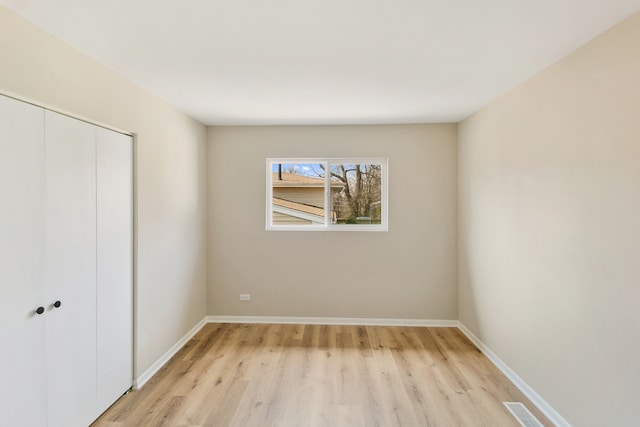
146,375
331,321
534,397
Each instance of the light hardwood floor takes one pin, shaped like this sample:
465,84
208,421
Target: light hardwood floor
312,375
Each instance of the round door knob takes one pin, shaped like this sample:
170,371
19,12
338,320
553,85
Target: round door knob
57,304
39,310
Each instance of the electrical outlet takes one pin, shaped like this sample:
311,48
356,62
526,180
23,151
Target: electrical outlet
245,297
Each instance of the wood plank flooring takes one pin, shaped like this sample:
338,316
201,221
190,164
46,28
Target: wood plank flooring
315,375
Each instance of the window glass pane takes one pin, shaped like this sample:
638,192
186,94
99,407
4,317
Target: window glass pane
356,193
298,196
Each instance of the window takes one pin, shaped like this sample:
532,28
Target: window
327,194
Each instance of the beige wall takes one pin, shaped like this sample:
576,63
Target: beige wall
171,276
549,200
408,272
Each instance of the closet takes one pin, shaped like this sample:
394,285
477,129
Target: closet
66,267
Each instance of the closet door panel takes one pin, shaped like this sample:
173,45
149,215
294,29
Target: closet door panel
115,265
22,331
70,254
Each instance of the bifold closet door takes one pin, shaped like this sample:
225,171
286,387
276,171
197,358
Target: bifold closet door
115,265
70,270
22,331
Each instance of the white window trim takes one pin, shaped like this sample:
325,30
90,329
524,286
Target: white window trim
327,226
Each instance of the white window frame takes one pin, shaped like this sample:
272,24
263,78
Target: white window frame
327,225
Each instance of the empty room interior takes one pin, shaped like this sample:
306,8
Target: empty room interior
336,213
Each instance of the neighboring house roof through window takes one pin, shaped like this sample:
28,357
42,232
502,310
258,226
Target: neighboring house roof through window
298,210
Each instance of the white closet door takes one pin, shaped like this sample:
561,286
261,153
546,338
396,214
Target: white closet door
22,357
70,274
115,265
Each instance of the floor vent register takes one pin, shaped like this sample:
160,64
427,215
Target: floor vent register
522,414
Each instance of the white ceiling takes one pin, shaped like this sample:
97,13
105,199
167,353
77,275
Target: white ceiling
239,62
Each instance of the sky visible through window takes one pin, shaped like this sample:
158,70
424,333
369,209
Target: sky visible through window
306,169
